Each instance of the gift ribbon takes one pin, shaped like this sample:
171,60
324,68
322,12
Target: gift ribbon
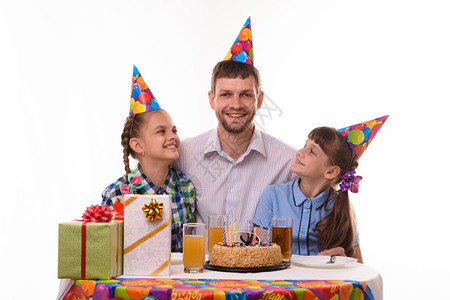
153,210
146,237
117,251
130,200
118,210
160,268
83,250
97,213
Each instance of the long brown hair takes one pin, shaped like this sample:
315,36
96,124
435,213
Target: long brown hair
131,129
336,229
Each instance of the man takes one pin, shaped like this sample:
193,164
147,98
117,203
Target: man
230,166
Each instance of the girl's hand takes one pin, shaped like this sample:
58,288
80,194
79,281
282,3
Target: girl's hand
339,251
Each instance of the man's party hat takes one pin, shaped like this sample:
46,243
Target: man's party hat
142,99
242,49
360,135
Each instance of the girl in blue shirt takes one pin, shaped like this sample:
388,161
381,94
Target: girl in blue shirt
323,217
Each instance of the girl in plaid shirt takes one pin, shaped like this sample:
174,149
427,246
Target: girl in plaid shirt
150,137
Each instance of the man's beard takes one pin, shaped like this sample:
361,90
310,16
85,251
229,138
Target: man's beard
251,116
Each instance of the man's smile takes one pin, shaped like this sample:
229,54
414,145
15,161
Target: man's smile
235,115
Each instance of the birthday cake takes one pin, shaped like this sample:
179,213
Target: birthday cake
245,256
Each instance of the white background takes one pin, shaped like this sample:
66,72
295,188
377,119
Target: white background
65,74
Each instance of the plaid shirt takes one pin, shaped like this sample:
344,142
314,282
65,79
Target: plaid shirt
179,187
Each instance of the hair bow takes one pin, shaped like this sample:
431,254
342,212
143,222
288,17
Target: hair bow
350,182
135,183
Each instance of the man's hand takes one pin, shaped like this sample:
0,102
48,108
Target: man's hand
339,251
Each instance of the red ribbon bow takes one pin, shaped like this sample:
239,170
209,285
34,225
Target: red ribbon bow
97,213
118,210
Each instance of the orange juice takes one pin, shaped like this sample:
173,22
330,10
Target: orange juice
215,235
193,251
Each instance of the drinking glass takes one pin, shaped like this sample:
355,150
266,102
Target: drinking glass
282,235
193,247
215,230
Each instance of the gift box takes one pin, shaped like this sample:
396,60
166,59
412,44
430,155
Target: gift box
147,235
90,249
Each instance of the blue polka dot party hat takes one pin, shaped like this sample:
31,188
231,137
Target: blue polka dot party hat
242,49
142,98
360,135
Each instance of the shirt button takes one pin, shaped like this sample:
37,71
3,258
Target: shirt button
232,190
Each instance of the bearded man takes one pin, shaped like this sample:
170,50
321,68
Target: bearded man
231,165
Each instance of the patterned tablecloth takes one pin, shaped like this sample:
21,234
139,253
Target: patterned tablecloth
296,282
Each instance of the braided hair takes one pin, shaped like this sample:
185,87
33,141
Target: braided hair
131,129
336,229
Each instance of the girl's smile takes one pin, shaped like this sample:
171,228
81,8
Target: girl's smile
171,146
297,160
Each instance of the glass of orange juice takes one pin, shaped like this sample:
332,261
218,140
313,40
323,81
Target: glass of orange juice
193,247
215,230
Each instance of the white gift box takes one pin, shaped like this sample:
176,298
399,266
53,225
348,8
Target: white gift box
147,244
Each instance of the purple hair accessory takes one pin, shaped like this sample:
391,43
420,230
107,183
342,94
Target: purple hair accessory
350,182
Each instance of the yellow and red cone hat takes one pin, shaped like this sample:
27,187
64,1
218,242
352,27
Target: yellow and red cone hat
142,98
360,135
242,49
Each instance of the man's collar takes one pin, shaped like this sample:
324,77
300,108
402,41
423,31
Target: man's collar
213,143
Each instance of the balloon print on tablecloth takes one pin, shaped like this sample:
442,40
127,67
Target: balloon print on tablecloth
184,288
75,292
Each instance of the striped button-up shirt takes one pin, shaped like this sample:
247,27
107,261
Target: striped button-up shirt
225,186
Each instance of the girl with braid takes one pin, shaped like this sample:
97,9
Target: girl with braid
318,202
150,137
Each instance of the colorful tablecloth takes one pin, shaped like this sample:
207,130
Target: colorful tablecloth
217,289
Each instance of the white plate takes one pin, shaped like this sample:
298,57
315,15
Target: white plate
320,261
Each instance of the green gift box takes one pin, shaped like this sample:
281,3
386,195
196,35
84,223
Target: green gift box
90,249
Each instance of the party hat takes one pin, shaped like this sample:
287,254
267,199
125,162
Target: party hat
360,135
142,99
242,49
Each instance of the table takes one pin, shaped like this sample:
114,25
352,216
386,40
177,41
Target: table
353,281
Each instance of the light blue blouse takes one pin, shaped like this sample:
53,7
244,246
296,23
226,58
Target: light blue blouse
287,200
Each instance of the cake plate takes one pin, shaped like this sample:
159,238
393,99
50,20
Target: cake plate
245,270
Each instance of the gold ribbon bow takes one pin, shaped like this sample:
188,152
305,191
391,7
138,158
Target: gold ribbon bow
153,210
